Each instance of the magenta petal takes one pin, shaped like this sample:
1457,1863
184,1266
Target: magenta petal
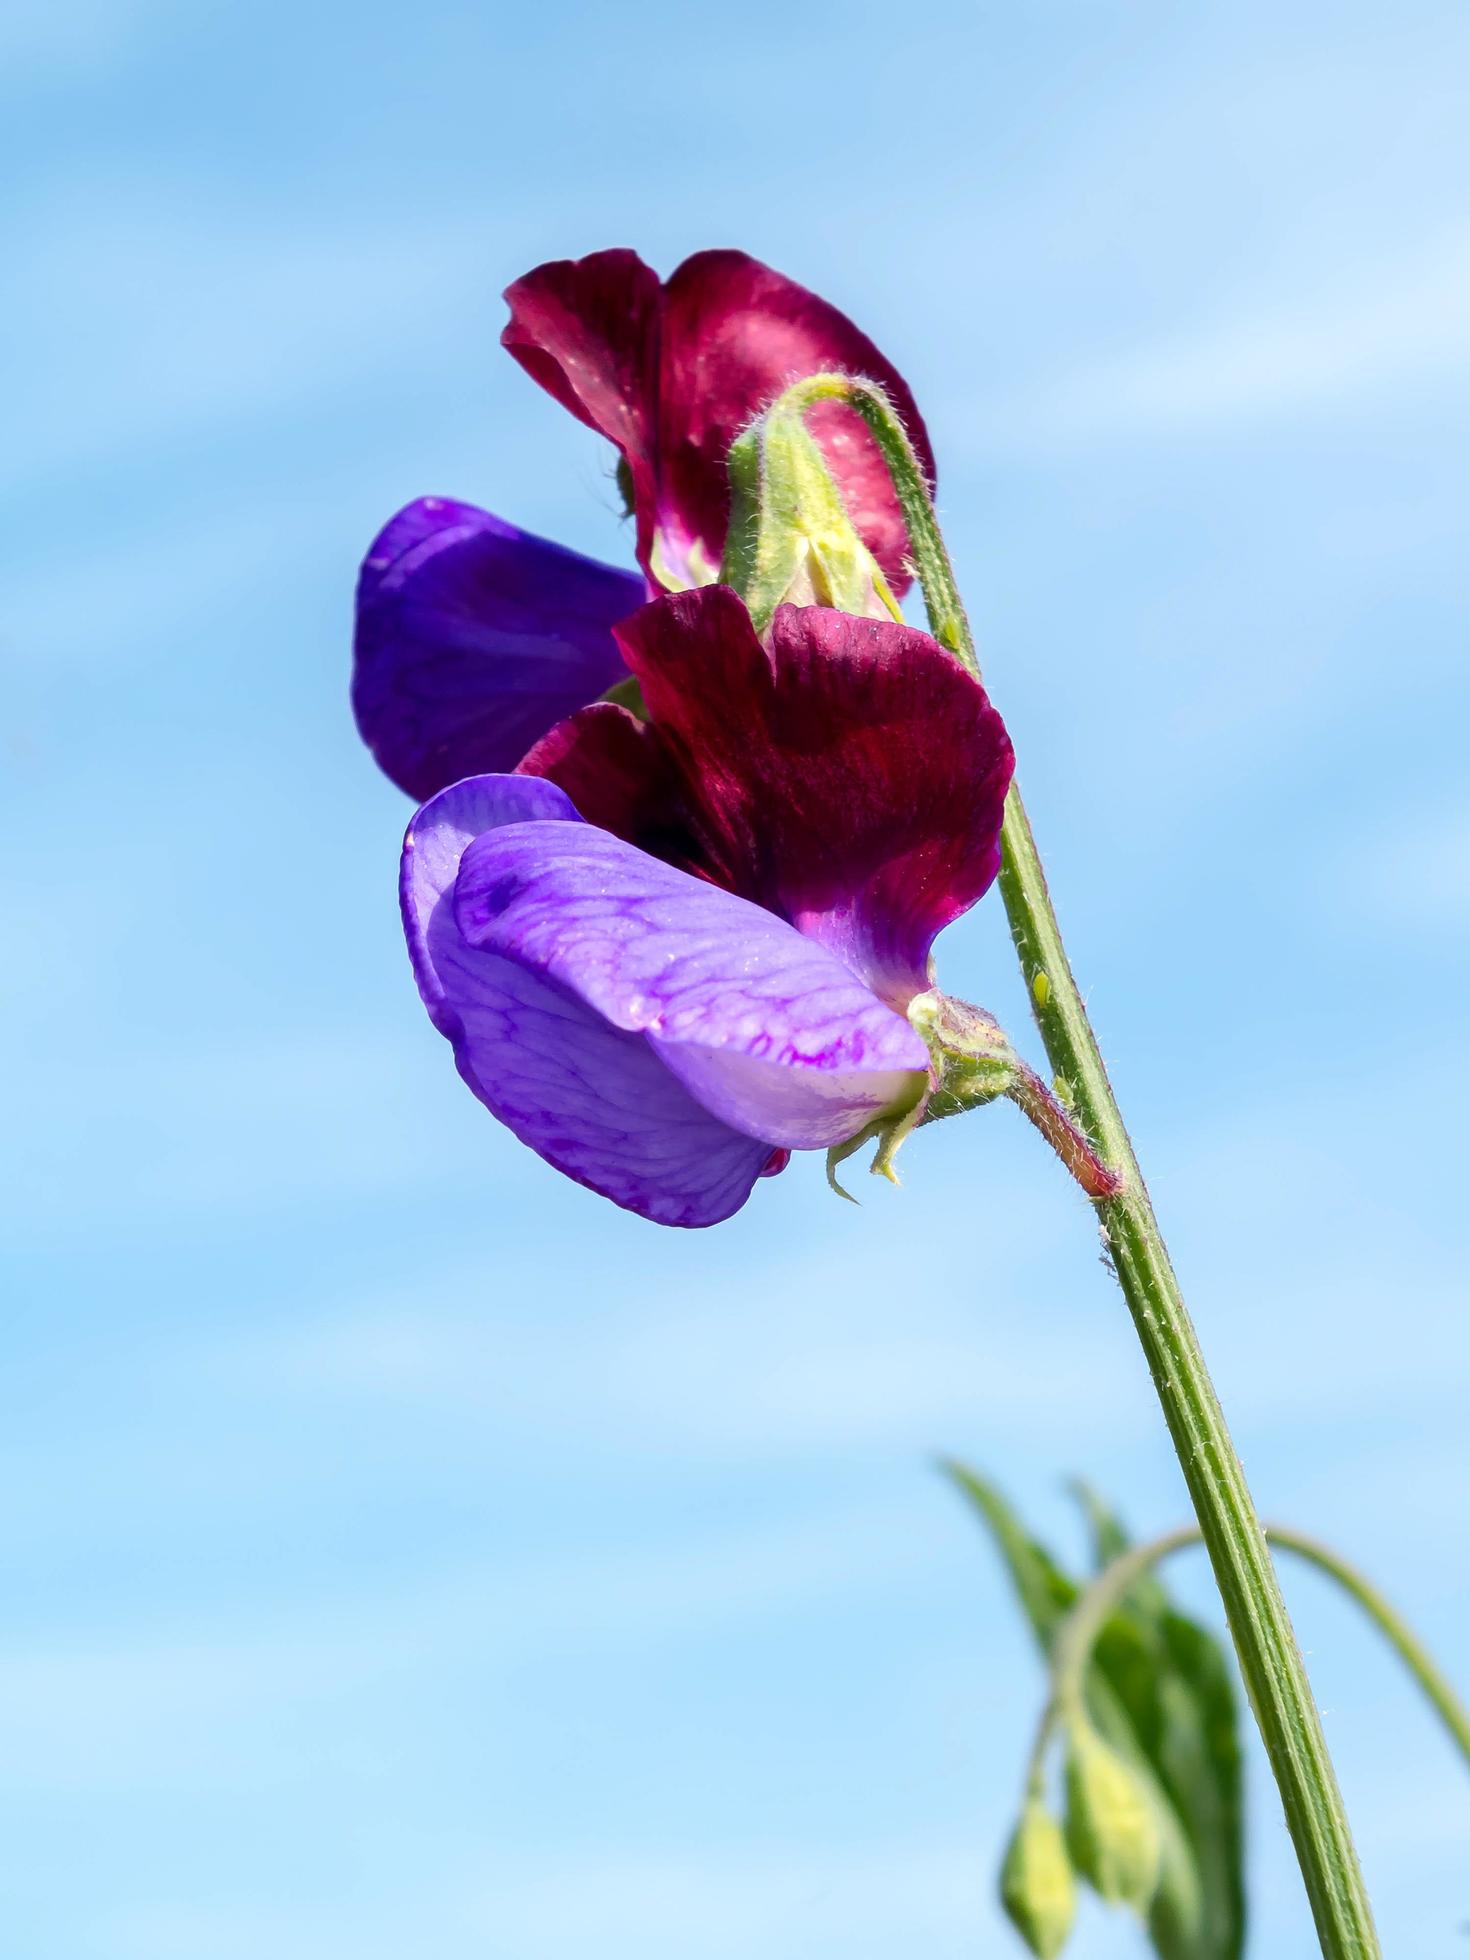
473,638
735,334
769,1031
588,331
851,776
622,777
672,373
595,1101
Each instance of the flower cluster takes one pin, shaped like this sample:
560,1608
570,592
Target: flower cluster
669,947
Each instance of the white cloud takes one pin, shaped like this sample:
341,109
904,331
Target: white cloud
160,581
165,319
41,40
842,1348
231,1126
837,1348
247,1699
901,1898
1405,326
722,1905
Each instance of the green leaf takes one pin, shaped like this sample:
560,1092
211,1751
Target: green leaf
1044,1590
1103,1523
1173,1684
1109,1539
1160,1691
1180,1913
1198,1752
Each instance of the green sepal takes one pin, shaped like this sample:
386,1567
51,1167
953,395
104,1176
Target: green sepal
791,541
628,693
970,1054
888,1131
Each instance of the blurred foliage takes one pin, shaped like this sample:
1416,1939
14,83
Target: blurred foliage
1159,1690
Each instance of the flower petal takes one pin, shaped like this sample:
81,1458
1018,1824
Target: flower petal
768,1030
672,374
593,1100
473,638
621,776
851,778
735,334
588,331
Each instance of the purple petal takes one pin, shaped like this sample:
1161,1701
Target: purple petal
473,639
770,1031
436,841
595,1101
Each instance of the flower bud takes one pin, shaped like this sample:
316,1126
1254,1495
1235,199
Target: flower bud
1036,1885
1112,1828
791,541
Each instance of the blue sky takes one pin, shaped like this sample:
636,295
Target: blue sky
405,1551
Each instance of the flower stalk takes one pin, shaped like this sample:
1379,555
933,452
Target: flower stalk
973,1062
1046,1113
1270,1660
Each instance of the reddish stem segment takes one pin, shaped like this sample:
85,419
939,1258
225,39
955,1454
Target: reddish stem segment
1035,1101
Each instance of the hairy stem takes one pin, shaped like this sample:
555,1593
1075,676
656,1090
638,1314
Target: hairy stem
1270,1662
1036,1102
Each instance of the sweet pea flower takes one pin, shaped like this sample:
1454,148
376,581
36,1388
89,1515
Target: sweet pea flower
667,953
473,637
671,372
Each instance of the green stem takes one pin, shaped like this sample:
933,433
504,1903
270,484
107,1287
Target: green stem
1391,1624
1270,1661
1077,1635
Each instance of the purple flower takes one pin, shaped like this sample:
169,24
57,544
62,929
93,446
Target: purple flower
714,969
474,638
652,1036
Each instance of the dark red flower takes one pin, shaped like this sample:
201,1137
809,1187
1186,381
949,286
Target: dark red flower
474,637
672,371
849,775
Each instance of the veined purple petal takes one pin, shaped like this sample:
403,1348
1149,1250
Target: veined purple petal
473,639
435,842
770,1031
592,1099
